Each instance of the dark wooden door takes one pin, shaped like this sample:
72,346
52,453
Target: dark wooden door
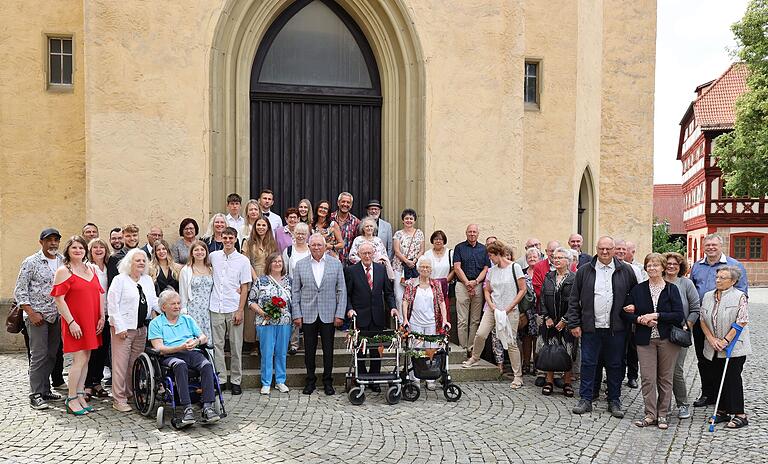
315,141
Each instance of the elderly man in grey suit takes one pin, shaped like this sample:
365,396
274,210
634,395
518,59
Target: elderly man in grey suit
319,302
373,208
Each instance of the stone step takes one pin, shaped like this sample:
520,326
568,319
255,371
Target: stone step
341,357
296,377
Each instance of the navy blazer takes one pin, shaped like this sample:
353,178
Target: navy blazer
371,305
669,307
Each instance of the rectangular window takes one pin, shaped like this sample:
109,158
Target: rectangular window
749,246
60,61
532,83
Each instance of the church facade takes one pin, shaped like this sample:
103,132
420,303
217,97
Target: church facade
529,118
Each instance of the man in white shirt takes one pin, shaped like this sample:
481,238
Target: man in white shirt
231,278
594,315
233,217
155,234
266,200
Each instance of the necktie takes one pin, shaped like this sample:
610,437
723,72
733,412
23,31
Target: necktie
369,277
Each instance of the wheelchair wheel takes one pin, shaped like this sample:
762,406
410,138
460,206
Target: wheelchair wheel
160,421
394,394
143,384
452,392
411,392
356,396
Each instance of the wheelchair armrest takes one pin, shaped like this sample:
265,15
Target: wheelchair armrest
152,351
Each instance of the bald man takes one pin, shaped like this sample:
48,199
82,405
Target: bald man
470,262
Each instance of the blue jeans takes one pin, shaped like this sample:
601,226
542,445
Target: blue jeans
273,340
609,345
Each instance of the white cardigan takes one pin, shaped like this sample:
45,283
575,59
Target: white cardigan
123,301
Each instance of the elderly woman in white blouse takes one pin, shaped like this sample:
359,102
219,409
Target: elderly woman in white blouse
130,300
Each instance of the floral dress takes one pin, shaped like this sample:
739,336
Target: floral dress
198,306
410,246
262,292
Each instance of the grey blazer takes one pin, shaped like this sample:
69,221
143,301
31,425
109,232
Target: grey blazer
308,300
385,234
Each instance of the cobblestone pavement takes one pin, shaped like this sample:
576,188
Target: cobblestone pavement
491,423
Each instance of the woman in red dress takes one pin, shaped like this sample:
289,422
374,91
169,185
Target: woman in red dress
78,295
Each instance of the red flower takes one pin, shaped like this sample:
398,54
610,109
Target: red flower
279,302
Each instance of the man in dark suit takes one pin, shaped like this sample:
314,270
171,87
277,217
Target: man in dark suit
368,291
155,234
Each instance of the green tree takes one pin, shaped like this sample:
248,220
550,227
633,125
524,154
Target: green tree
662,242
743,153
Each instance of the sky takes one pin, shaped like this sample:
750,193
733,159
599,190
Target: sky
693,44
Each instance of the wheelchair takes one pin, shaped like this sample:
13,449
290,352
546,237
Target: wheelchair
154,383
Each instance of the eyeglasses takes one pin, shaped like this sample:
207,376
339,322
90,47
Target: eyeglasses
673,264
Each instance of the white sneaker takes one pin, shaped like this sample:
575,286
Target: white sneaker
265,390
107,372
283,388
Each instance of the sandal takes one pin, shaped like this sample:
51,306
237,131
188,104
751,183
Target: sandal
568,390
662,423
517,383
99,392
647,421
547,389
738,422
87,407
721,417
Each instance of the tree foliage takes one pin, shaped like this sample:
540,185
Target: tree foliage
743,153
661,240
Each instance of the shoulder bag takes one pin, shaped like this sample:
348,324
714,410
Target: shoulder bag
15,320
679,336
527,302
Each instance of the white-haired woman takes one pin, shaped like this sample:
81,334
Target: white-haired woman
212,237
424,309
368,234
130,300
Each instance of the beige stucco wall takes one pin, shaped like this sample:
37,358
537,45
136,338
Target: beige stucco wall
145,131
41,132
626,146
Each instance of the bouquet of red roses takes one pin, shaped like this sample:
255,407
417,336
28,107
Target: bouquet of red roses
274,308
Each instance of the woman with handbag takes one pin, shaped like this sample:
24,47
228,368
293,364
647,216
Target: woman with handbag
408,245
655,307
530,331
504,289
677,267
554,304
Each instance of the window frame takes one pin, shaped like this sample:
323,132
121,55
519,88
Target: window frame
747,236
533,106
54,86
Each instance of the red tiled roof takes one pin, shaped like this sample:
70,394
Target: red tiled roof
668,206
715,108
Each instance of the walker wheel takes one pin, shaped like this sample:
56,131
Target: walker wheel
356,396
411,392
394,394
452,393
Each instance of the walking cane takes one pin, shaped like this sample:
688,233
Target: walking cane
728,350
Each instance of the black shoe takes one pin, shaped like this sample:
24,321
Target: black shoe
236,390
36,401
292,351
614,407
632,383
701,402
540,381
376,388
559,382
51,396
308,389
189,416
583,406
329,390
210,416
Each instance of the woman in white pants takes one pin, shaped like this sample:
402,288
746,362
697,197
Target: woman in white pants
504,289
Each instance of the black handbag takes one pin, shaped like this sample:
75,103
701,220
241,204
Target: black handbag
553,357
680,337
15,320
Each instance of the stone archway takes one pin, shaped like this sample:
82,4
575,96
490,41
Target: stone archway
586,222
241,27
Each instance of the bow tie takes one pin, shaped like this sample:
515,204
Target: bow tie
265,214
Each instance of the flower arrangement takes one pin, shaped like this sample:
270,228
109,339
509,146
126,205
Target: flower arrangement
274,308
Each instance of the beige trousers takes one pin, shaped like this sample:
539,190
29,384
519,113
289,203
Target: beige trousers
657,367
469,311
124,354
487,323
221,324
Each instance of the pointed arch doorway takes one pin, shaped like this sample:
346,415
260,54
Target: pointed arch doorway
586,212
315,108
